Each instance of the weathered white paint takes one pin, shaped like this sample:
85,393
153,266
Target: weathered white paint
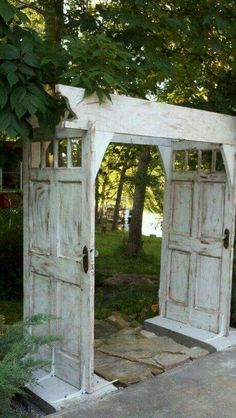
126,115
101,143
196,268
59,223
228,153
166,157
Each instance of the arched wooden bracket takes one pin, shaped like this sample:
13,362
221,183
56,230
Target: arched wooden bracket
166,157
102,140
228,153
85,259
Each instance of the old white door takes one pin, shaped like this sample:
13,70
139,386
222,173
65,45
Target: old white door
199,241
59,256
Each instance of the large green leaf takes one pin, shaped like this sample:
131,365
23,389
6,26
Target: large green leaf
8,66
25,69
5,120
6,11
31,59
8,52
29,106
21,126
20,110
17,96
3,93
12,78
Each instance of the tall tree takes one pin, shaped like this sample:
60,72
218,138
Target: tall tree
135,231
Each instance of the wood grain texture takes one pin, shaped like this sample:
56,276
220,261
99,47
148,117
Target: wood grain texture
59,222
196,278
126,115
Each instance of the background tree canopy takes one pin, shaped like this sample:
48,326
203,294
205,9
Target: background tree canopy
181,52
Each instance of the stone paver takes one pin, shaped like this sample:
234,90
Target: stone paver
205,388
132,355
102,329
125,371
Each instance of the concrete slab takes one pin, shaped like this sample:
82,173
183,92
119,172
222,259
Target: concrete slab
190,336
199,389
52,394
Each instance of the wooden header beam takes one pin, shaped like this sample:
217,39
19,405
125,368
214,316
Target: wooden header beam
130,116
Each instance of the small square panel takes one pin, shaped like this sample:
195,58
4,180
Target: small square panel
212,204
76,152
192,160
35,155
179,160
206,160
62,153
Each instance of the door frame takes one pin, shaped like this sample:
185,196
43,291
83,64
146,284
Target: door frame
136,121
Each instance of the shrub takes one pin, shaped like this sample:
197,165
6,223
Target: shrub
11,254
18,349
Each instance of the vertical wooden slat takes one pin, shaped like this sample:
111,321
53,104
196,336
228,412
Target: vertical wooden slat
55,153
88,237
26,285
213,161
173,160
186,161
43,154
199,159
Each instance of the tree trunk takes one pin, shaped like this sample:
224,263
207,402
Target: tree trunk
103,197
118,198
54,20
135,231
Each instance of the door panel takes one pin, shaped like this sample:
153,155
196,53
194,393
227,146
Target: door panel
200,203
61,222
69,222
39,217
212,206
179,277
182,202
208,283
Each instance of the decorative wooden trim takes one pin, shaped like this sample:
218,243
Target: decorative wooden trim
126,115
228,154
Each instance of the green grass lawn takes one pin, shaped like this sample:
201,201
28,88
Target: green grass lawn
113,259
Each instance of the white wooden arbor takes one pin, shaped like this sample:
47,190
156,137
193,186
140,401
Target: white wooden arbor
198,230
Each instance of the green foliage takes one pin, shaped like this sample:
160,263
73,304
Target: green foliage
185,48
133,301
12,310
21,78
11,253
18,349
99,65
